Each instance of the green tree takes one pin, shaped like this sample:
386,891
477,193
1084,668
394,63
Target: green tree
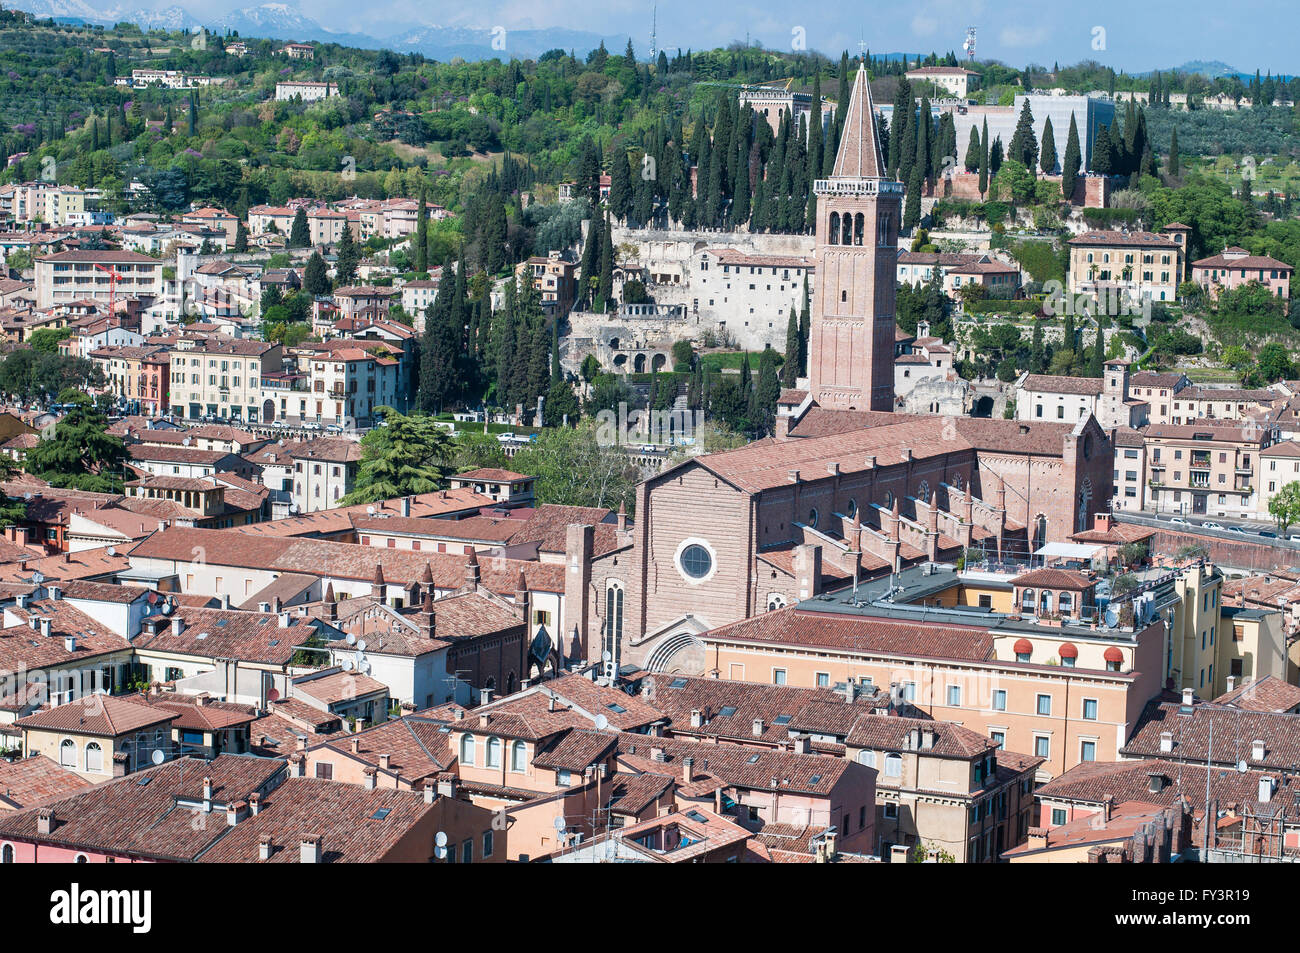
1047,154
81,454
1070,164
241,238
349,256
406,456
984,159
315,278
1172,164
579,466
299,234
974,151
1285,506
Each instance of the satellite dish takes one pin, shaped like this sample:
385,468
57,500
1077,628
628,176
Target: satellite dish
364,668
112,550
273,695
347,665
352,639
38,577
1241,766
440,839
440,852
561,823
601,722
605,657
361,646
370,511
157,757
1112,618
167,608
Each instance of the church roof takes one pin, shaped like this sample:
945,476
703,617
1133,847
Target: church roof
859,154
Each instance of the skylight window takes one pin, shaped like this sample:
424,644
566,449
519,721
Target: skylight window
381,814
727,711
782,719
753,759
816,779
616,708
677,683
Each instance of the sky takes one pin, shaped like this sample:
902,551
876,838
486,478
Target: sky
1133,36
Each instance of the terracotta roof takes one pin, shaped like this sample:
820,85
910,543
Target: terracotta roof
417,747
1235,731
491,474
1053,579
1094,782
795,626
1267,694
859,154
1053,384
105,716
29,781
23,648
735,765
228,633
1136,238
338,687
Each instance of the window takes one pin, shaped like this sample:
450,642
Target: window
1090,709
563,778
909,691
867,758
494,752
813,517
68,754
891,810
1058,816
7,854
467,852
1044,704
954,696
614,610
695,561
999,699
893,766
487,843
518,756
1088,751
778,676
823,680
1042,746
999,738
467,749
325,771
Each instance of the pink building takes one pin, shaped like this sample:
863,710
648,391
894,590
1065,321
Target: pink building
1234,267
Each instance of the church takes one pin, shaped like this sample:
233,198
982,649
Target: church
846,490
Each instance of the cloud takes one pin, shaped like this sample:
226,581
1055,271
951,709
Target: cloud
1021,36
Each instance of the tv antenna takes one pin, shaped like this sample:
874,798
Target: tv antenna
654,25
969,44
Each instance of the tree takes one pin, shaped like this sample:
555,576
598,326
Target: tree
1103,149
299,234
1172,164
82,454
793,351
406,456
1047,154
1070,164
241,238
349,256
579,466
974,151
315,279
1024,144
984,159
421,238
561,402
1285,506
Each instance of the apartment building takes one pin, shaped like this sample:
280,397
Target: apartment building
221,378
346,382
136,374
1279,466
97,276
324,471
1141,265
1059,398
954,80
1206,468
555,277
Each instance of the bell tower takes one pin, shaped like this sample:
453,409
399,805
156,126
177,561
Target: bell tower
851,340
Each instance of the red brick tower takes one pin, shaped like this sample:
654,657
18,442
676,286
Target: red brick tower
851,346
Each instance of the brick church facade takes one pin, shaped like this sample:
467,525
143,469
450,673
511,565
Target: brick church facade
845,489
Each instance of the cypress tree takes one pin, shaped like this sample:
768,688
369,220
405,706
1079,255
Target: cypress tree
421,236
1047,154
1103,152
974,151
241,237
912,203
793,351
805,329
299,234
1024,144
1172,164
984,159
620,187
349,256
1070,164
605,286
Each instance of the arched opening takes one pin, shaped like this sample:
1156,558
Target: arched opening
682,653
846,232
658,362
494,752
94,757
467,749
1065,602
834,230
512,684
1040,532
857,228
68,754
7,854
638,365
1027,600
1045,601
268,411
518,756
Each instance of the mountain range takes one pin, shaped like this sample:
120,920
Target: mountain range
284,21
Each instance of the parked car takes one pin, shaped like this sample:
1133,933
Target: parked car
1268,534
1178,520
1211,526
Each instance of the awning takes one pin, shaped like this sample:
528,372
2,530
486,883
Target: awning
1070,550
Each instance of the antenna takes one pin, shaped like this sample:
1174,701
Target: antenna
440,845
969,44
654,25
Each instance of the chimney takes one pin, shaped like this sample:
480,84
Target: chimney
1257,750
370,777
1189,697
850,691
430,792
657,754
1166,742
1265,790
758,727
23,597
54,593
69,643
331,603
697,718
1037,838
406,506
46,821
803,745
285,619
384,761
688,769
264,845
178,626
794,475
356,745
1155,781
225,600
622,517
254,803
264,607
1232,682
235,812
207,795
309,849
472,570
47,625
377,584
927,738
